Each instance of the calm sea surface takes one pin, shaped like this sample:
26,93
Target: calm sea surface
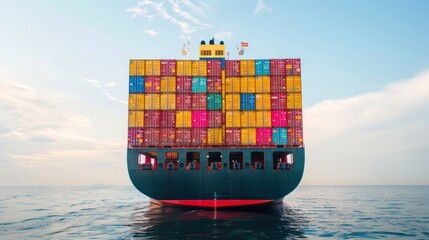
374,212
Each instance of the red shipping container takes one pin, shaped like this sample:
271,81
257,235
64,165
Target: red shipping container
278,84
199,101
214,84
232,68
214,119
233,136
167,136
135,137
152,118
214,68
289,66
264,136
278,118
277,67
151,137
278,101
183,84
199,119
199,136
152,84
168,67
168,119
296,67
295,136
184,101
294,118
183,136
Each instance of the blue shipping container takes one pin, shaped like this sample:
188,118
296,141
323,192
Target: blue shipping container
199,84
214,102
136,84
262,67
248,101
279,136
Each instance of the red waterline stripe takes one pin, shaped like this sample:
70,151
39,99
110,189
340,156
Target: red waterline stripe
213,203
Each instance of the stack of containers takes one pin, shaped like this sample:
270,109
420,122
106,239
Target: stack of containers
294,101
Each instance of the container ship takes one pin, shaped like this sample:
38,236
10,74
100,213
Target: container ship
215,132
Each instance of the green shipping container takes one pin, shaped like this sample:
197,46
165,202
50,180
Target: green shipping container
214,102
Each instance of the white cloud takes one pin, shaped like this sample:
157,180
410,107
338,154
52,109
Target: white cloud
261,6
110,84
151,32
223,35
105,91
137,11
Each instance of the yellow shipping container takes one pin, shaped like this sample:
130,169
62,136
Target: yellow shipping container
140,67
263,101
263,84
232,101
133,67
248,136
168,84
168,101
289,84
247,85
232,85
183,119
247,67
294,101
136,102
184,67
297,83
263,118
199,68
214,136
248,118
136,119
153,67
151,101
232,118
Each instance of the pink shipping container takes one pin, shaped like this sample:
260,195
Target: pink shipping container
232,68
199,101
199,119
214,68
214,119
135,137
168,67
183,136
152,84
151,137
199,136
289,66
278,118
296,67
152,119
277,67
294,118
278,84
278,101
167,136
295,136
184,101
214,84
263,136
233,136
184,84
168,119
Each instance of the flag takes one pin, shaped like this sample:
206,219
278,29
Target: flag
244,44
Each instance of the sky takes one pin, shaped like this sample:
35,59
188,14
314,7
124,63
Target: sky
64,81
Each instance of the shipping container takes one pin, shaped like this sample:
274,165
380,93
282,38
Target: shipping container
152,118
293,84
262,84
168,119
199,101
247,101
184,101
263,101
183,119
214,68
294,118
152,84
247,119
296,67
232,101
247,85
151,137
264,136
247,67
199,119
199,68
136,119
289,70
167,136
233,118
184,84
278,84
168,84
183,136
199,136
168,101
214,119
248,136
262,67
295,136
184,67
280,136
136,84
277,67
199,84
232,84
168,67
263,118
152,67
136,102
294,101
135,137
137,68
278,101
133,67
233,136
151,101
232,68
278,118
214,84
214,136
214,101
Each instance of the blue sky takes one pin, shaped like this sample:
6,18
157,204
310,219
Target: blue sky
64,66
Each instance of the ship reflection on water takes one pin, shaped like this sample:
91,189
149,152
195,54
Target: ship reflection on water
272,222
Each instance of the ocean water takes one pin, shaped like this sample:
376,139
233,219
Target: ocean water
314,212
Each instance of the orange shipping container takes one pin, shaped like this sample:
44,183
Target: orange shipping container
248,119
262,84
136,119
232,85
248,136
232,118
183,119
151,101
247,85
133,67
184,67
168,84
199,68
294,101
214,136
152,67
247,67
232,101
168,101
263,101
293,84
263,118
136,102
